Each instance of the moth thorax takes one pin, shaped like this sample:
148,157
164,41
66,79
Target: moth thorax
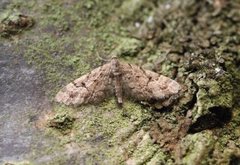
115,67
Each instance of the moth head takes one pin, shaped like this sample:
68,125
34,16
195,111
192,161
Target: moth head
114,57
114,61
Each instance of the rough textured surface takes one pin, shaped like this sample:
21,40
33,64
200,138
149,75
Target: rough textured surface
193,42
22,103
13,23
122,79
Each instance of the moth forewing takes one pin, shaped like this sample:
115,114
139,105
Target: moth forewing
91,88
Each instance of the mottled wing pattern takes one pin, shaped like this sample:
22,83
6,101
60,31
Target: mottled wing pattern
145,85
93,87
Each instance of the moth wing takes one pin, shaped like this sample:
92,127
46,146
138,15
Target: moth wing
89,88
145,85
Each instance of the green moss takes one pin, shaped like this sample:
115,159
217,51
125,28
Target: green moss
51,55
197,147
144,151
106,126
160,158
135,10
13,22
61,121
128,47
129,7
213,93
107,119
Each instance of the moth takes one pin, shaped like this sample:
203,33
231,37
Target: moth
122,80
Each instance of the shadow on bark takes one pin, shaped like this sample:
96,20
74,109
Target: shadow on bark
218,117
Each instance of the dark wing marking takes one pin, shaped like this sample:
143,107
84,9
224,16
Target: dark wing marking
89,88
145,85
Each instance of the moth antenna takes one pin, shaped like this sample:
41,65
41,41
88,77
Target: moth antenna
101,58
114,56
143,70
130,65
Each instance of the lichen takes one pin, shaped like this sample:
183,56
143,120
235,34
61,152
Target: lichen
144,151
213,93
13,22
160,158
106,120
196,148
105,126
128,47
61,121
